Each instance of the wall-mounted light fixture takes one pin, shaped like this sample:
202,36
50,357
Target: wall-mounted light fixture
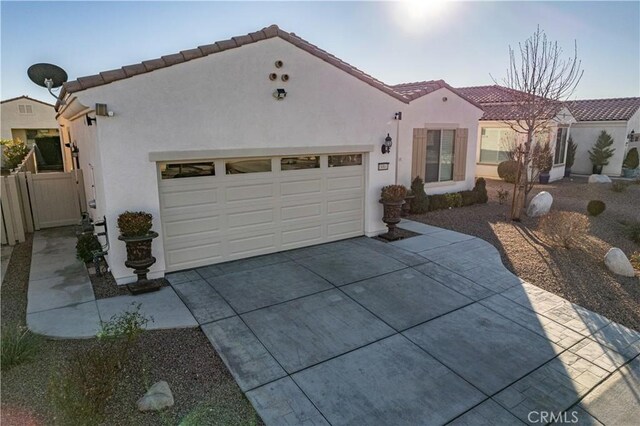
386,146
280,94
397,116
90,120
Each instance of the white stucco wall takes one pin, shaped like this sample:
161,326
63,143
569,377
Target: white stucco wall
225,101
43,117
585,134
491,170
431,111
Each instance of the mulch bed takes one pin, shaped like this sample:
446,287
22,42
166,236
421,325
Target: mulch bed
204,390
577,274
105,286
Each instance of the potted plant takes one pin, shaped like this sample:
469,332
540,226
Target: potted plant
571,156
392,199
601,152
630,163
135,231
543,161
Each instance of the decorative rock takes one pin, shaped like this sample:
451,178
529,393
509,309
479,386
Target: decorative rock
540,204
159,396
618,263
599,179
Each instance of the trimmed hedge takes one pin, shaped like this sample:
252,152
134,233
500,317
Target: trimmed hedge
508,170
596,207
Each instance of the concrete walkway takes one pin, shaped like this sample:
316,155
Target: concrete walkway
428,330
61,303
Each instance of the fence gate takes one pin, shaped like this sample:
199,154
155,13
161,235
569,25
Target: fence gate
43,200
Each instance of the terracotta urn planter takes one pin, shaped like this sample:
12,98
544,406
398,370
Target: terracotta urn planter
393,198
136,233
406,207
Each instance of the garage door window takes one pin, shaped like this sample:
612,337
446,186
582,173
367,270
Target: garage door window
300,163
345,160
255,165
184,170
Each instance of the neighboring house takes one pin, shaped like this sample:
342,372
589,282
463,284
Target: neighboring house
34,123
201,140
619,117
496,138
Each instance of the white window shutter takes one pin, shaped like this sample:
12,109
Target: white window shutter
460,155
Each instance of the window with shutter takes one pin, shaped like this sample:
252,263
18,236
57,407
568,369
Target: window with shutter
439,155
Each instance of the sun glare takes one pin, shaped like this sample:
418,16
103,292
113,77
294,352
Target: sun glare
419,16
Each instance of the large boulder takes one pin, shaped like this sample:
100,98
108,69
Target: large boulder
540,204
617,262
599,179
158,396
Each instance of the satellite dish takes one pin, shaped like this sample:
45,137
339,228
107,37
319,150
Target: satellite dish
49,76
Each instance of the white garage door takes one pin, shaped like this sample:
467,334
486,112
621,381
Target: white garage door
218,210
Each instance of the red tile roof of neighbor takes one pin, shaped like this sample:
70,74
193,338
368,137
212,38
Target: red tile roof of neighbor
402,92
604,109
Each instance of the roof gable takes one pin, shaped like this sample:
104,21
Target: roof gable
418,89
27,98
272,31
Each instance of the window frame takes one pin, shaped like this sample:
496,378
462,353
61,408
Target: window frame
563,132
181,163
500,150
453,153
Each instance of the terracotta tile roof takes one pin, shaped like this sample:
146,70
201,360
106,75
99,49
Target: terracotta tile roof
272,31
498,102
25,97
420,88
604,109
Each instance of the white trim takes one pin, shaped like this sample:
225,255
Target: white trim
256,152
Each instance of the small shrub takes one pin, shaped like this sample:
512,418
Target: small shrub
81,388
13,153
631,160
481,189
469,197
618,186
393,193
508,171
420,202
503,195
86,244
602,151
564,229
633,231
635,260
454,199
134,224
19,345
438,202
571,152
596,207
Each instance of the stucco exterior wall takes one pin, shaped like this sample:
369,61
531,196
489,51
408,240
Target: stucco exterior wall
433,112
586,133
491,170
42,117
225,101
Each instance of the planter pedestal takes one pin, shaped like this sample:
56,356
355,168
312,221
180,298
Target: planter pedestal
391,217
139,259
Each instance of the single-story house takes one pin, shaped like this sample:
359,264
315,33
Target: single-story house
620,117
257,144
496,138
34,123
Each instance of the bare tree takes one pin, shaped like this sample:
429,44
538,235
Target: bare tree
539,81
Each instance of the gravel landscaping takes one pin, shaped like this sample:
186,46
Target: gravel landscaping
577,274
204,391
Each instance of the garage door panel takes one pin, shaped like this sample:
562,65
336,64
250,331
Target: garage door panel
190,197
220,218
305,187
344,229
302,236
191,226
241,220
249,192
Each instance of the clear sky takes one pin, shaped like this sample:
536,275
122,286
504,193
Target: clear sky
461,42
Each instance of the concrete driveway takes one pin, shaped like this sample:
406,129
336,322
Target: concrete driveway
428,330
